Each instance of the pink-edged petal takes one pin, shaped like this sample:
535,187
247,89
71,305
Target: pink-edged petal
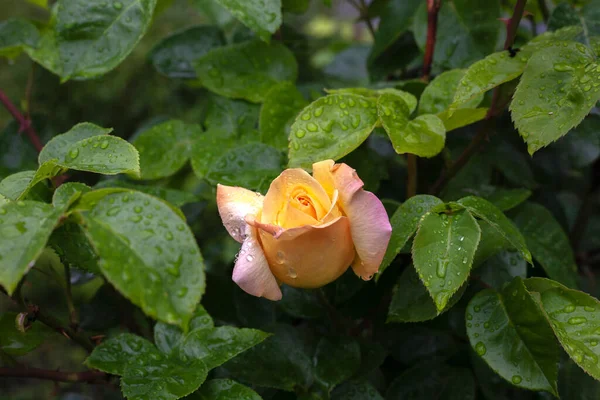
251,271
234,204
369,222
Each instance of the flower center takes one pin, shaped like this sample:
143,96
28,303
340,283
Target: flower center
303,202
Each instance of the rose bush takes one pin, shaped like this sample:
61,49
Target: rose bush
306,231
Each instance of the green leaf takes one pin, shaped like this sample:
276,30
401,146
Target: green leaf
146,374
41,3
25,227
175,197
443,252
262,16
395,20
283,352
501,268
16,343
165,148
74,248
18,152
557,90
67,193
175,55
575,384
281,106
301,303
247,70
336,359
93,38
104,154
500,67
208,148
548,243
508,330
409,98
462,117
330,128
148,253
232,118
355,390
46,52
168,338
432,380
217,345
438,95
225,389
404,224
58,147
424,136
488,212
467,30
251,166
15,35
14,185
491,243
411,302
574,316
507,199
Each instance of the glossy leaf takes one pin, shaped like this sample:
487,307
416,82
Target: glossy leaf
502,268
411,302
395,20
485,210
148,253
254,165
168,338
175,55
67,193
145,372
165,148
281,106
508,330
209,147
335,360
500,67
331,127
232,118
93,38
558,88
467,31
247,70
71,244
218,345
262,16
225,389
284,352
25,227
404,224
16,343
438,95
443,252
574,317
175,197
462,117
547,242
58,146
423,136
14,185
15,35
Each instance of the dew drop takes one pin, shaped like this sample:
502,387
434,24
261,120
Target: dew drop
292,273
480,348
516,379
577,320
73,153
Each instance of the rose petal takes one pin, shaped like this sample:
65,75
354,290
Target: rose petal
251,271
309,256
282,190
369,222
322,174
234,204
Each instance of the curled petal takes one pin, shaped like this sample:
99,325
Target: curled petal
308,256
285,188
234,204
369,222
251,271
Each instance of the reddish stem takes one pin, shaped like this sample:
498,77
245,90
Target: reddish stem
25,124
433,8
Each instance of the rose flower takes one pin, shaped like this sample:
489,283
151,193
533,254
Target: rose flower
306,231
